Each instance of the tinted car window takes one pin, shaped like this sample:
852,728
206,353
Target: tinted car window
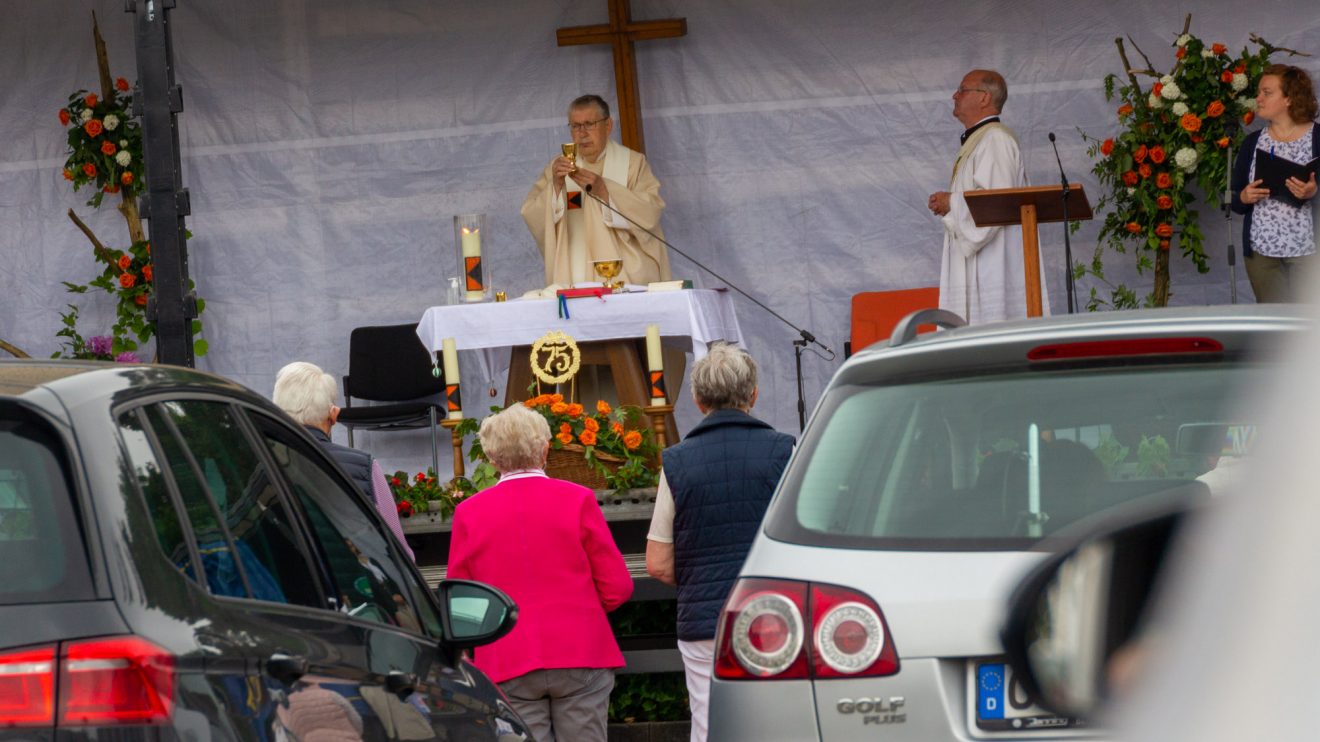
929,465
151,483
368,578
234,506
41,550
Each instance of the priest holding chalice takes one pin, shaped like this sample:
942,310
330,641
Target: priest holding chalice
573,229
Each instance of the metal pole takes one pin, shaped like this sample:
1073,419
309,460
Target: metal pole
158,100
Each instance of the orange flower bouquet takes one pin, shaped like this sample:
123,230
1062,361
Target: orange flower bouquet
615,447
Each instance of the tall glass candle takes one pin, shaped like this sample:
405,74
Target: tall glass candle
468,229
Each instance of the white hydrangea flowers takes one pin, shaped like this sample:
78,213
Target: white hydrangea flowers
1239,82
1182,40
1186,158
110,122
123,158
1179,108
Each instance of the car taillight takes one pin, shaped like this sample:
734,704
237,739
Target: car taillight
120,680
763,633
850,635
27,688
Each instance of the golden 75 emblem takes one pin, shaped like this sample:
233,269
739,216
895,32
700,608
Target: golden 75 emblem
555,358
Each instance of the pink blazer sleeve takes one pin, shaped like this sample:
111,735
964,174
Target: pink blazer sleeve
458,567
613,583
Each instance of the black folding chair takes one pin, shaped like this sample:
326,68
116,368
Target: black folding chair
389,364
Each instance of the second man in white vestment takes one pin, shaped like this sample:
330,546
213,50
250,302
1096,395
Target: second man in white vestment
982,278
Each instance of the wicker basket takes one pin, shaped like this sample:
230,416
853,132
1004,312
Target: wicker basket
569,463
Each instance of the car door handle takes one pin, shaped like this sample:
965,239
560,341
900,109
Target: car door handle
401,684
286,668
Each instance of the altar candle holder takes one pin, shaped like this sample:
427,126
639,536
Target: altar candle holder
469,231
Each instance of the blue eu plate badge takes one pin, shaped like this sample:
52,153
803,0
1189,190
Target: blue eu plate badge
990,685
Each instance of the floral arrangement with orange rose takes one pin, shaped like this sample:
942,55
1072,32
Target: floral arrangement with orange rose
602,429
105,154
1174,132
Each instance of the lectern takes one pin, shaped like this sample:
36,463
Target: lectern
1004,207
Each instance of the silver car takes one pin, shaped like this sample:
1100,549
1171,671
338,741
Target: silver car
936,470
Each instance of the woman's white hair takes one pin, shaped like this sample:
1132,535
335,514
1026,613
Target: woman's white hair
725,378
305,392
515,438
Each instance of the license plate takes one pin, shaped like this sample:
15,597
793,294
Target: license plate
1002,704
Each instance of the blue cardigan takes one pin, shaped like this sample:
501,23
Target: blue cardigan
1242,169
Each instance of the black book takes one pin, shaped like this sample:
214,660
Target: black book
1275,170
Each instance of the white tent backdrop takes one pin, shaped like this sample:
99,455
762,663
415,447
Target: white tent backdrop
328,143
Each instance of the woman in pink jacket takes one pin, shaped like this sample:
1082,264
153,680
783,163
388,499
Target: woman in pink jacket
544,542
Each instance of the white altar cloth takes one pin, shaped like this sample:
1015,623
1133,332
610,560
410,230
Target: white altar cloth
690,319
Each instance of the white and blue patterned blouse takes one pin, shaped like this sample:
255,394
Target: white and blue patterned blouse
1279,230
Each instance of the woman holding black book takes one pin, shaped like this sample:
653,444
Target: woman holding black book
1279,235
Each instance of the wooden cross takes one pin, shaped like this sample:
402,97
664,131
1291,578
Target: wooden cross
620,33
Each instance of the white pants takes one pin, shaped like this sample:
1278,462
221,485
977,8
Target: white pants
698,662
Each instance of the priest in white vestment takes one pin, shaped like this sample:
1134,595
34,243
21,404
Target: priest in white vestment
982,278
573,229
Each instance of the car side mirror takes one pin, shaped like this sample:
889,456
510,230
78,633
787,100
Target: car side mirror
474,613
1073,636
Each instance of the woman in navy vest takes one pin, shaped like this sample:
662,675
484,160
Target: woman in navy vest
714,490
1279,238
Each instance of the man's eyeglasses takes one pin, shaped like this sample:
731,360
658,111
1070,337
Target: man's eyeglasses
585,125
964,91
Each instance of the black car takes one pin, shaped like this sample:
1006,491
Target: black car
179,560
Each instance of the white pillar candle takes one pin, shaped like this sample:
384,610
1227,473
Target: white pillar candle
449,352
655,365
471,244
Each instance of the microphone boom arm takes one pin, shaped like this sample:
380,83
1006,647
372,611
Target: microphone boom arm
806,336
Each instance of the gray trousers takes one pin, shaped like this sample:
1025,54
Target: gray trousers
568,704
1275,280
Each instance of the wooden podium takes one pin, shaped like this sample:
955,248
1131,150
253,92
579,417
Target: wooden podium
1003,207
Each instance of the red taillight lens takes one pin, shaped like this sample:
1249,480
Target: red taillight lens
122,680
763,633
27,688
1127,347
850,637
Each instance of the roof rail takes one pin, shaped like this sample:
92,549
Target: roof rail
906,329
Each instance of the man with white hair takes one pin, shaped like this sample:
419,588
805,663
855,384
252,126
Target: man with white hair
714,490
308,394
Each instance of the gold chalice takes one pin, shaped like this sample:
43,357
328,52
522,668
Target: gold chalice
608,269
570,153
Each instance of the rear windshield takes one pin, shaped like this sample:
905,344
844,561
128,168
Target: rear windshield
41,550
998,462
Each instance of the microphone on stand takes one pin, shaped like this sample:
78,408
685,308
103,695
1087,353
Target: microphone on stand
799,345
1067,238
